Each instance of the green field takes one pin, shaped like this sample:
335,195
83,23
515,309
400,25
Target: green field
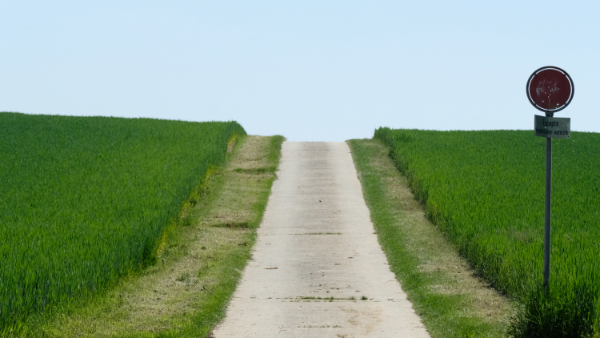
485,190
85,200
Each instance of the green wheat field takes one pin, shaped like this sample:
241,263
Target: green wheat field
485,190
85,200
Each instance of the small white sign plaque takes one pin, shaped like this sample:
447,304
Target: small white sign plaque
552,127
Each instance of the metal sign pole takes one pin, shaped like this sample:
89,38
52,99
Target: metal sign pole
550,89
547,212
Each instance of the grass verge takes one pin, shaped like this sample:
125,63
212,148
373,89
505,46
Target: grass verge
186,293
451,300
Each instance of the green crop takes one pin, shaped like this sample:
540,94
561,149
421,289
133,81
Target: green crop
485,190
85,200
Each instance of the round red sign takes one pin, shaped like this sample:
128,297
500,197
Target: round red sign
550,89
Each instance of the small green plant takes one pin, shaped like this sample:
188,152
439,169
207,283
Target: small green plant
187,221
555,313
184,277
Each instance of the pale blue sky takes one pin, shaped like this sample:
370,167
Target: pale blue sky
309,70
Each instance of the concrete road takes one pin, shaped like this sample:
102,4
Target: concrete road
317,242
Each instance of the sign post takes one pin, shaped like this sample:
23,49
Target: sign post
550,89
